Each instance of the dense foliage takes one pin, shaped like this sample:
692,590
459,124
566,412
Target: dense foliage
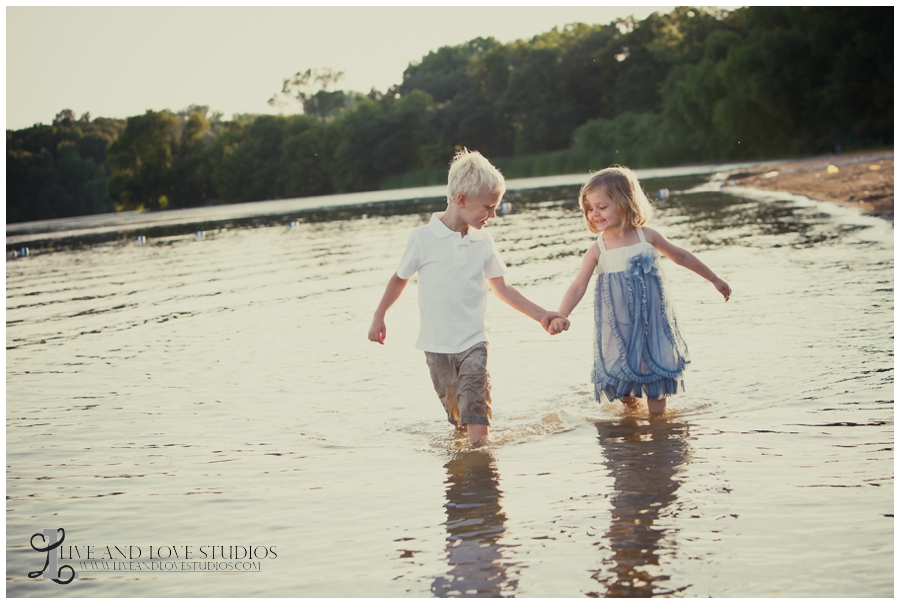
692,85
59,170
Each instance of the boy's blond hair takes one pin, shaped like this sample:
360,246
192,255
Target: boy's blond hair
471,173
622,185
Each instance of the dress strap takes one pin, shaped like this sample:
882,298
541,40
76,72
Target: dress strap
600,242
640,233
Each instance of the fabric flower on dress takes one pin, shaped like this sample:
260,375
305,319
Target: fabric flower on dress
642,264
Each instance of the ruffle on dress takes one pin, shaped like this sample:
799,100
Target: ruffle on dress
639,350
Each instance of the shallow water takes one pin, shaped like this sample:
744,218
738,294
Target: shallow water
218,390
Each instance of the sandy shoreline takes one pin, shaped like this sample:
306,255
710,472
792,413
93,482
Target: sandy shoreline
861,180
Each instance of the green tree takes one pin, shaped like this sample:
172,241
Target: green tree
311,89
141,161
60,170
227,184
540,112
796,80
588,70
306,153
691,93
249,161
380,138
460,81
191,171
630,139
856,94
443,73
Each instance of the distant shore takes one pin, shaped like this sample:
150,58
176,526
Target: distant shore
110,225
861,180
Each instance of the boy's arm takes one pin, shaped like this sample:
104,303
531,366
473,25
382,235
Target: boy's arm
514,298
682,257
395,287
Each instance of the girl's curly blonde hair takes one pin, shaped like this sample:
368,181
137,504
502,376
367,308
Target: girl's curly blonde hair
622,185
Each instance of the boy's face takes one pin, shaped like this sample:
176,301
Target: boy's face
477,210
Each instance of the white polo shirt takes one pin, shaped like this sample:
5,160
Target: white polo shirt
453,272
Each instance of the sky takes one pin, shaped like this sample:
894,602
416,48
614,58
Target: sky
121,61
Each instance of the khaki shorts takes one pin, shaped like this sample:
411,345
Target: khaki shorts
463,384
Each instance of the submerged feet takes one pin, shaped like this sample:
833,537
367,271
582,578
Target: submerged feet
631,402
656,406
478,434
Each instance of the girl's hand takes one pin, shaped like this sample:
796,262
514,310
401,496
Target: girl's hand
558,325
723,288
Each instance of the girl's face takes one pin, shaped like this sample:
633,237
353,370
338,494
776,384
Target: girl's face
601,210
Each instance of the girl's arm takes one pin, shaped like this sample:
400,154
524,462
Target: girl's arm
576,291
682,257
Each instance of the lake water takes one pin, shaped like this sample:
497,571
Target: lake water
199,395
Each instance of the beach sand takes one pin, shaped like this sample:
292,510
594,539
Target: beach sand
862,180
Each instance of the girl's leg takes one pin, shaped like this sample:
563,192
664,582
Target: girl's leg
631,402
656,406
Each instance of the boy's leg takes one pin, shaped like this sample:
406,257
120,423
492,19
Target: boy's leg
478,434
656,406
444,378
473,393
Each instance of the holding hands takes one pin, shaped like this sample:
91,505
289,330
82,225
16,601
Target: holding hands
558,325
554,323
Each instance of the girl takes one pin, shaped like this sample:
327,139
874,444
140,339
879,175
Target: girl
638,349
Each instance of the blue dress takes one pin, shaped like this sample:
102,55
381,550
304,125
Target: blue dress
638,350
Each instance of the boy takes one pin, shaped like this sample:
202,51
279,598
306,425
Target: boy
456,260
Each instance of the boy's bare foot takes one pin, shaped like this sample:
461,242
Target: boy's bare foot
478,433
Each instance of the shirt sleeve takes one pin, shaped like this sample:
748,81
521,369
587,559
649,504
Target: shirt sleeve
409,262
494,266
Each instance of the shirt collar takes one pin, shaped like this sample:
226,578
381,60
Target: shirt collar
441,230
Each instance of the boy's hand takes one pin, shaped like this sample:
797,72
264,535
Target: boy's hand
723,288
377,331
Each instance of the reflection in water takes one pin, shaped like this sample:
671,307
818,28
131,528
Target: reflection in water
644,458
725,220
475,524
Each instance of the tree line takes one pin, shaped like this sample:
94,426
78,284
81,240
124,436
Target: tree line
688,86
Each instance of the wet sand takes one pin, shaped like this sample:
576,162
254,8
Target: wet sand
861,180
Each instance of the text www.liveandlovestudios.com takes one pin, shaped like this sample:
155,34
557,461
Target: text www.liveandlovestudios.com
64,563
